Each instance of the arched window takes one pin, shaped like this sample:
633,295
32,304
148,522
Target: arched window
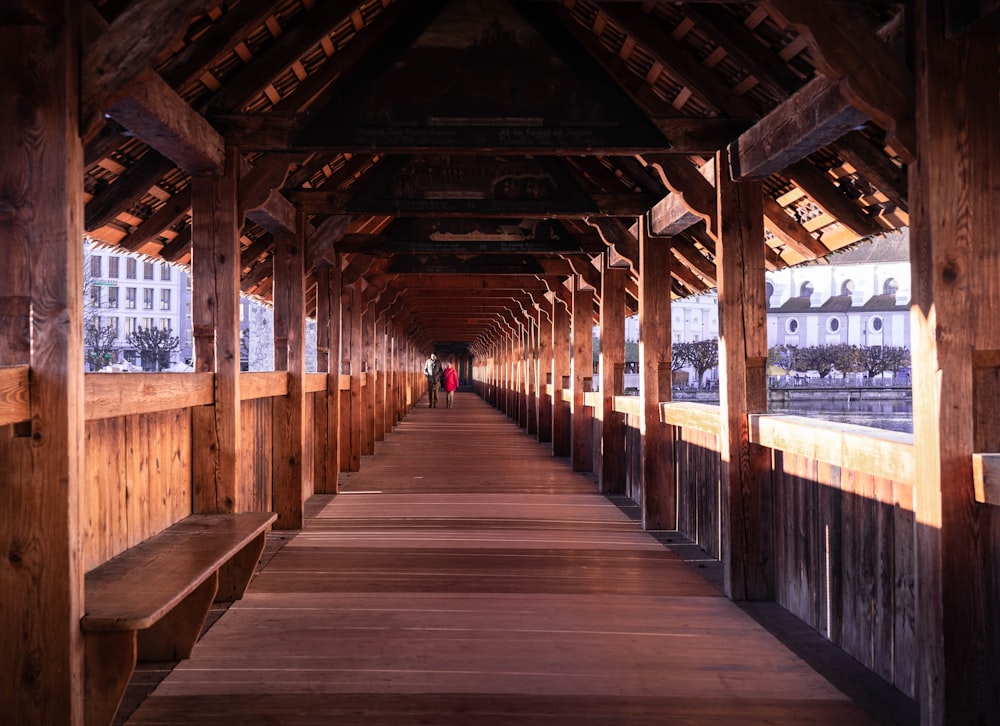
791,325
847,287
890,287
806,289
768,292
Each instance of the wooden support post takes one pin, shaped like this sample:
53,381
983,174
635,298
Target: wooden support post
326,408
746,495
288,470
41,311
955,209
348,325
215,311
659,483
368,417
560,370
544,373
612,475
583,375
355,421
531,371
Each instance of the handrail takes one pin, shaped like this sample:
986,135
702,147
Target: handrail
263,385
629,405
111,395
878,452
688,414
315,382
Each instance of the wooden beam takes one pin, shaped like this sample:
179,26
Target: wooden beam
692,257
955,208
166,216
276,215
680,63
783,226
291,477
612,479
746,516
114,64
659,489
154,113
821,190
131,185
814,117
872,163
215,299
850,53
42,504
691,185
617,236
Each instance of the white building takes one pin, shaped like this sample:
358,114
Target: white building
861,297
125,292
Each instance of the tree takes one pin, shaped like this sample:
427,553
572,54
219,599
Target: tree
846,358
99,344
702,355
782,356
154,346
877,359
815,358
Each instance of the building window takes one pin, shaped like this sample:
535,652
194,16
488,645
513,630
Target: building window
147,323
147,298
95,265
112,297
164,299
130,298
129,326
113,267
165,324
847,287
164,271
113,324
768,292
890,287
791,325
95,296
875,324
147,270
806,290
832,325
130,268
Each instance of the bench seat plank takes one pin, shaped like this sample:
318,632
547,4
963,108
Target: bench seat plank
135,589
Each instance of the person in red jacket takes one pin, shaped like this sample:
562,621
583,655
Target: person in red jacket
449,380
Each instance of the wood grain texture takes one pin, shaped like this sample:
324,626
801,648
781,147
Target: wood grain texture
434,589
583,373
612,383
14,402
110,395
659,485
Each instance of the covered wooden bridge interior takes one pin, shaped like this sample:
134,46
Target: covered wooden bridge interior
490,179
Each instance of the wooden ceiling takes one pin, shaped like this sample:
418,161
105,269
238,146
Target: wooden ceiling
458,159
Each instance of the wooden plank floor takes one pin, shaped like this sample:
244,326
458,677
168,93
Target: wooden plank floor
465,576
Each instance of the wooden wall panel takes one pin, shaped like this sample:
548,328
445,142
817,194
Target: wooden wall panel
699,467
256,455
309,448
103,522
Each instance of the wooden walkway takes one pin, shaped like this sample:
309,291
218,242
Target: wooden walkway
465,576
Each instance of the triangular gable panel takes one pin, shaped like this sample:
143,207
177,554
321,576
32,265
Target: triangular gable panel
461,184
480,76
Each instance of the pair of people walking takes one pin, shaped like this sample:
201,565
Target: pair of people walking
446,376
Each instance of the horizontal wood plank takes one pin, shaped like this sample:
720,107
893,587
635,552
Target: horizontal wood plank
263,385
629,405
110,395
315,382
698,416
887,454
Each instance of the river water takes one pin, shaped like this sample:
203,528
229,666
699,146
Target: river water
894,415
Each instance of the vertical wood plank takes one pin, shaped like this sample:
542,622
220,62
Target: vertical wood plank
357,413
368,417
747,537
320,417
955,211
659,486
41,308
560,370
331,482
583,374
531,371
215,298
612,360
545,376
289,471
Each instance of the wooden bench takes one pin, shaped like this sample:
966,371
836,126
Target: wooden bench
150,602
